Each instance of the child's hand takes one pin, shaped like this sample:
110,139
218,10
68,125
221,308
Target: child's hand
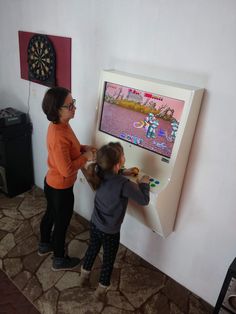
144,179
134,171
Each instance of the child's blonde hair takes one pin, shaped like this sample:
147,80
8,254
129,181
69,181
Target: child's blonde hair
107,157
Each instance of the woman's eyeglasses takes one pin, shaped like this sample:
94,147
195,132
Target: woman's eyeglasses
70,106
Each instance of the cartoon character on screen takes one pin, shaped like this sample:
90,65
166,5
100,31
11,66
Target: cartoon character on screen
174,126
149,118
152,128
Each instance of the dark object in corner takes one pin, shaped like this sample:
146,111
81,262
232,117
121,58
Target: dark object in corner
16,163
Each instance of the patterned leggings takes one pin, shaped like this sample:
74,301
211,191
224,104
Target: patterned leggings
110,244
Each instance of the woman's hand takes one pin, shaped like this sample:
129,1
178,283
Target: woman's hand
91,156
88,148
90,152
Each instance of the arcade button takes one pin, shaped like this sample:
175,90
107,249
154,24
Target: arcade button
153,183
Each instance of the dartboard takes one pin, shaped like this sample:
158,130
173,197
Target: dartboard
41,60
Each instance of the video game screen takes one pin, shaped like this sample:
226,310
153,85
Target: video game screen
144,119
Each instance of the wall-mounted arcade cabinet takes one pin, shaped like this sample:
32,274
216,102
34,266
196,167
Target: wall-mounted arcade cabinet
155,122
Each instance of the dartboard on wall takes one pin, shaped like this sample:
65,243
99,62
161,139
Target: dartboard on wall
62,48
41,60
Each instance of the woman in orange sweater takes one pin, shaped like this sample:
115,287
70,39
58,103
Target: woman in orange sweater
65,157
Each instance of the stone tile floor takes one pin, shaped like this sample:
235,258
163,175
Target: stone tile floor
137,287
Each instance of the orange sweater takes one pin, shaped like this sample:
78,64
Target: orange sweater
64,156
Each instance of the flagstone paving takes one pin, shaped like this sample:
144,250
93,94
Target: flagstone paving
137,287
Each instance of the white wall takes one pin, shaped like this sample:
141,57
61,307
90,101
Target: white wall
190,42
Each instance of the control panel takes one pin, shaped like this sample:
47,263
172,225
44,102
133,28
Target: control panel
154,183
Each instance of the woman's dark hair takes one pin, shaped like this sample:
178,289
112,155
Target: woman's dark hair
53,99
107,157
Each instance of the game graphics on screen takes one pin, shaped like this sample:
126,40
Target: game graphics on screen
145,119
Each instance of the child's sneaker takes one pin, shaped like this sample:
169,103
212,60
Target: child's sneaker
65,263
44,248
101,293
84,278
